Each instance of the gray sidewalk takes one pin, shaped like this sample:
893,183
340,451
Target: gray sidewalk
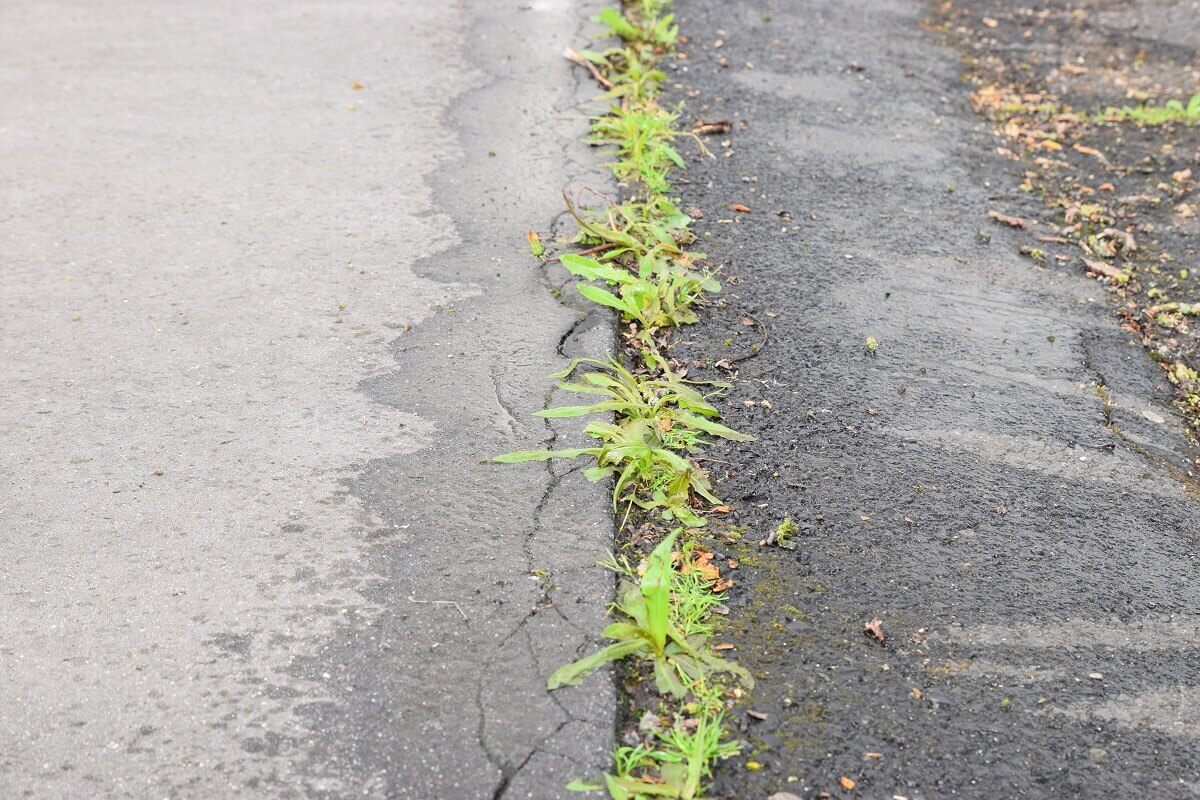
265,305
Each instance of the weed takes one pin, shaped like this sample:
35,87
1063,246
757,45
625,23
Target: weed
653,421
657,418
642,134
683,757
782,536
662,294
1151,115
648,28
647,629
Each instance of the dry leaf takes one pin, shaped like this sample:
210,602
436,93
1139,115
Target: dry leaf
1102,268
1012,222
713,128
741,209
874,628
847,783
1185,211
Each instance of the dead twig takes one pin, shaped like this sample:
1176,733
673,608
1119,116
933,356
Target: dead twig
576,58
441,603
597,249
755,348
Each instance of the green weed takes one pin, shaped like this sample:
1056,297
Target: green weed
652,422
663,294
637,233
647,28
684,756
643,134
646,629
1148,114
657,418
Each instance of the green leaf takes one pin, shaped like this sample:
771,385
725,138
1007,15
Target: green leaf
593,270
576,671
656,591
671,153
578,785
716,429
666,679
605,298
522,456
579,411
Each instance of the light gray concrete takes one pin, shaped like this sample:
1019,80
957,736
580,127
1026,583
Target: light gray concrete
257,329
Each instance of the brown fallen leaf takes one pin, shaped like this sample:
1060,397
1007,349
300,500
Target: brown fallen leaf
1088,151
701,562
847,783
1128,244
916,693
872,755
1182,175
874,628
1185,211
1102,268
1012,222
756,714
713,128
741,209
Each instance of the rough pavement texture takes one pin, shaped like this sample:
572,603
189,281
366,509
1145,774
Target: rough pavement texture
1033,565
250,549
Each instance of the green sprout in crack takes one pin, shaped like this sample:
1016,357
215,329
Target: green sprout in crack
678,760
656,420
661,294
1151,115
645,629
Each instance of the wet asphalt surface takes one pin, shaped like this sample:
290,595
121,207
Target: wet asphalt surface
1029,546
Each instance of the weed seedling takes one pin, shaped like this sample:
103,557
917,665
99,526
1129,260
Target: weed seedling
646,629
657,418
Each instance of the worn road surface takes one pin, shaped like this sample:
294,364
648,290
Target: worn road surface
1030,549
265,303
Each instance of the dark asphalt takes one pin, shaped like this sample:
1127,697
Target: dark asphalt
1034,567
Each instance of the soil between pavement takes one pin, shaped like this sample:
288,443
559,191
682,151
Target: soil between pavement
1035,570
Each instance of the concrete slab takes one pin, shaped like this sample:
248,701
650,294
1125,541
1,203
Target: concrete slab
260,325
